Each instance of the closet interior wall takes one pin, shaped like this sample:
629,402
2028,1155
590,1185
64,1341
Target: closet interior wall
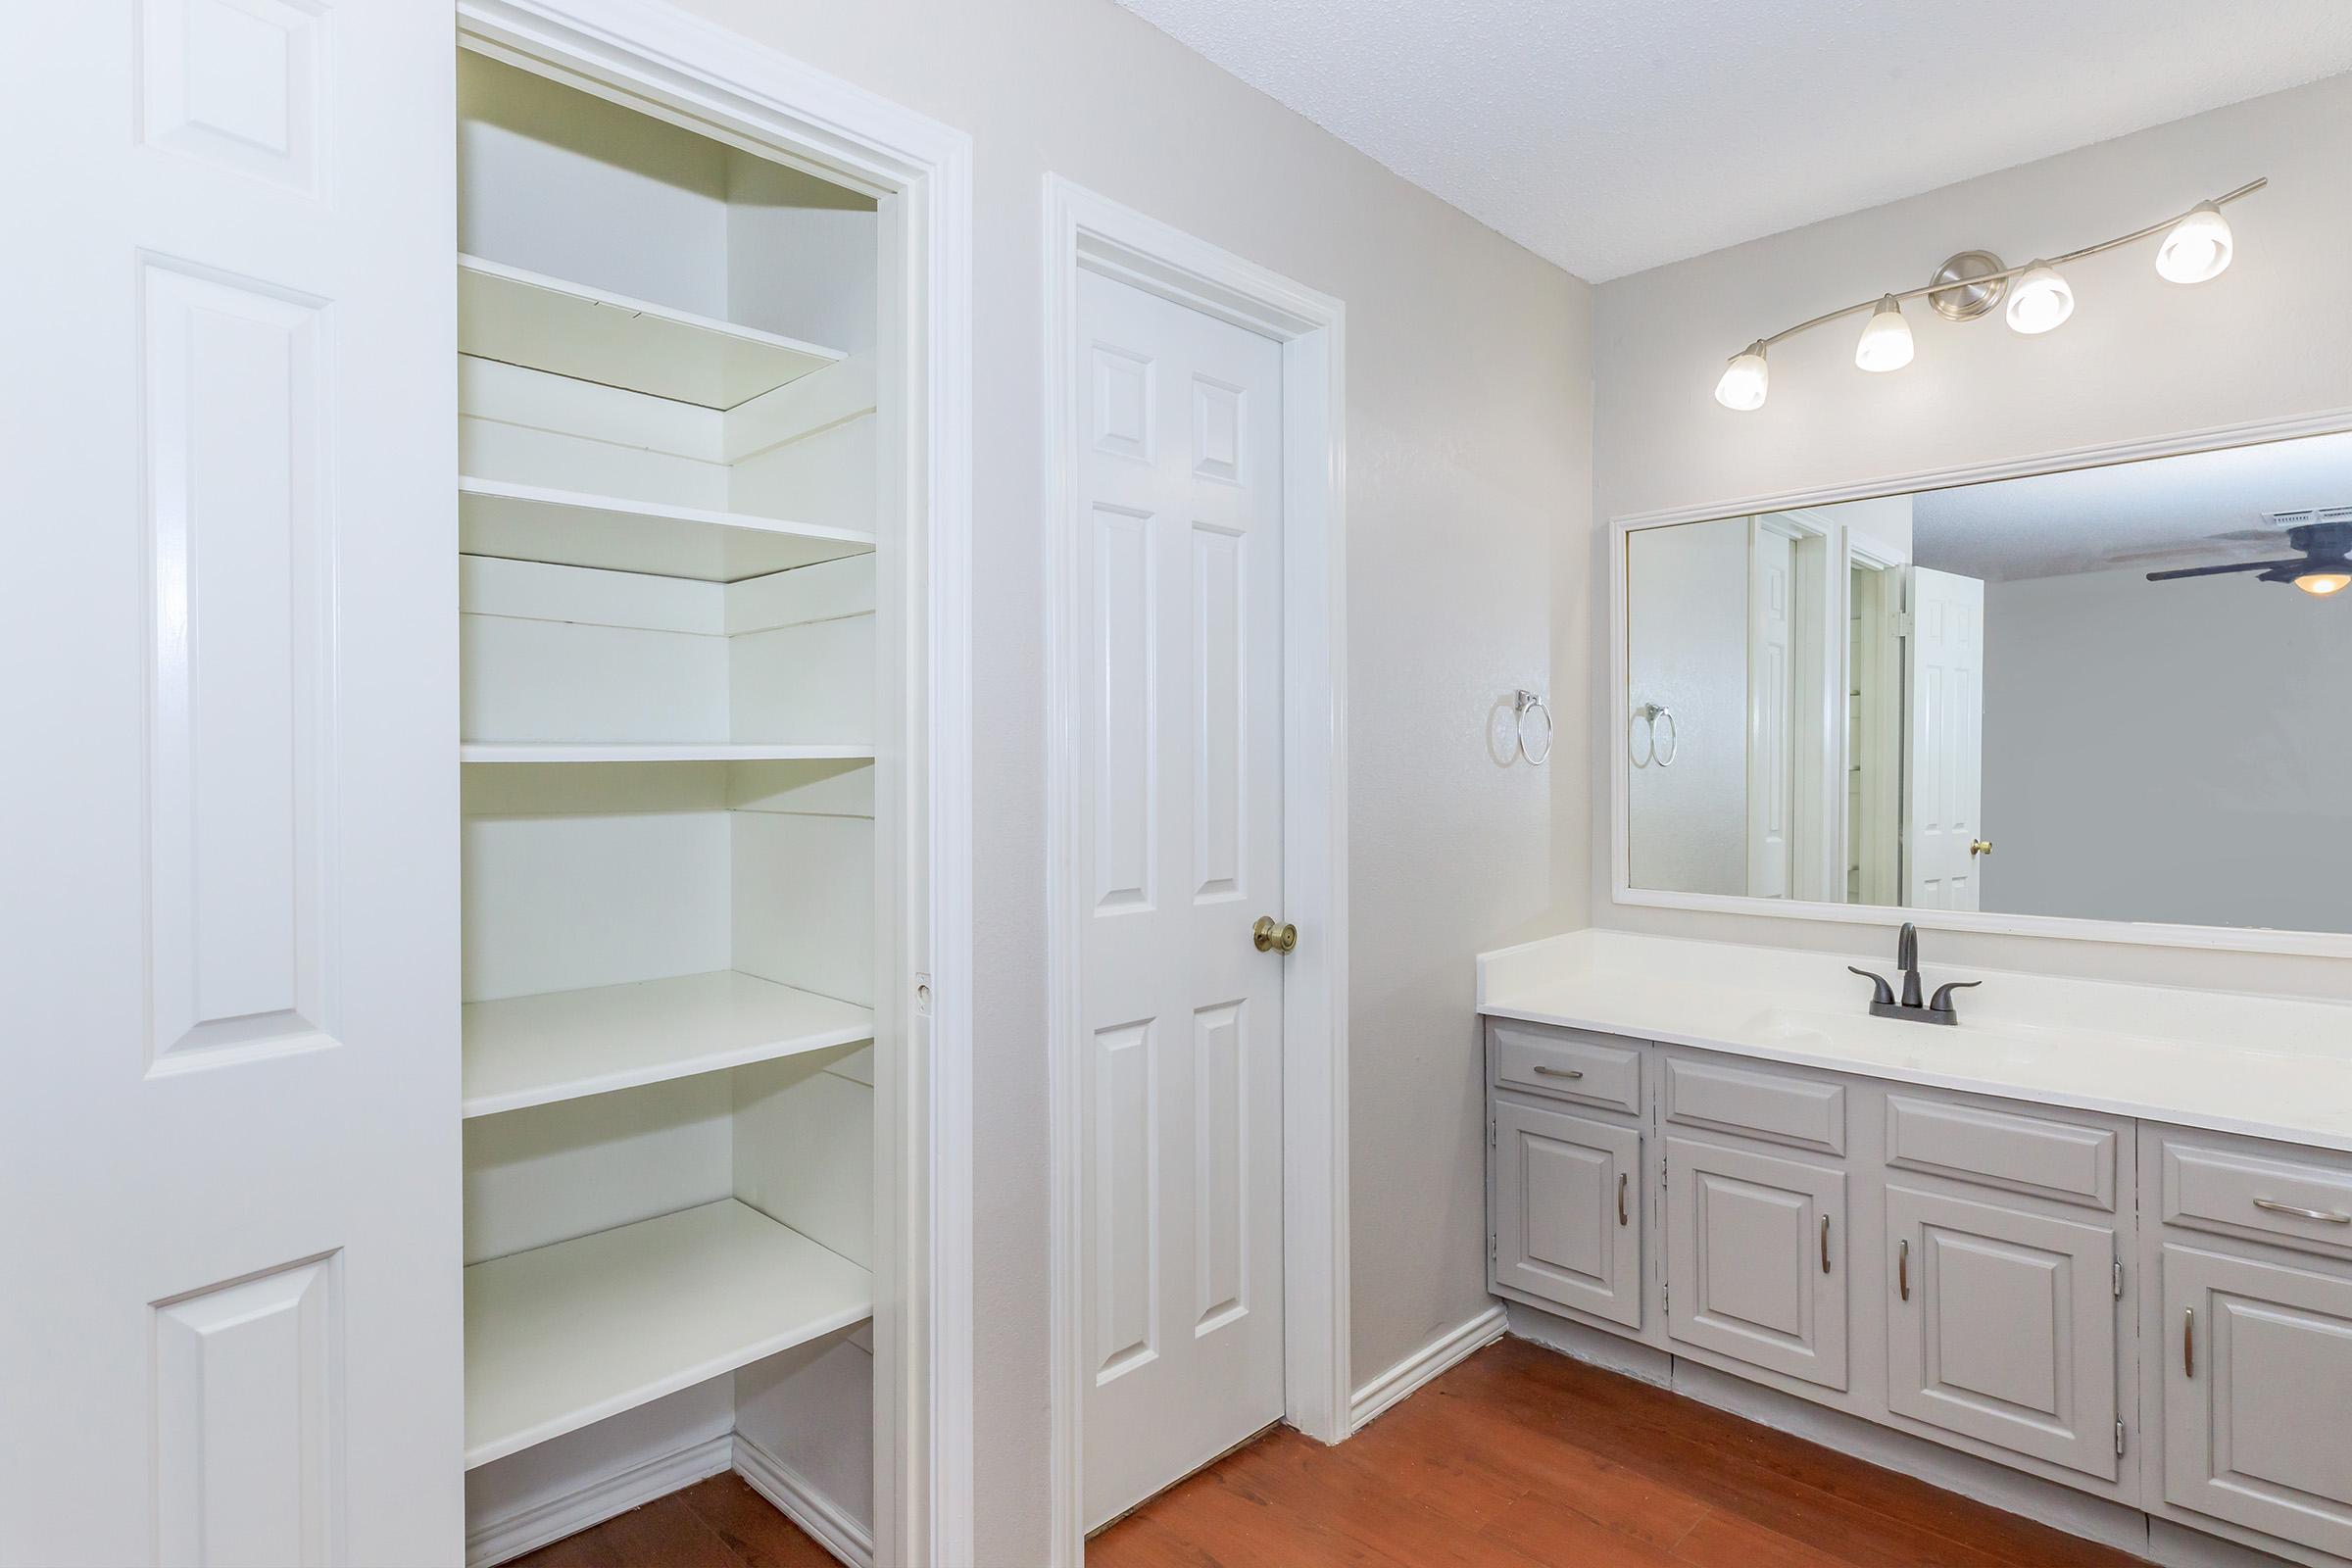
666,595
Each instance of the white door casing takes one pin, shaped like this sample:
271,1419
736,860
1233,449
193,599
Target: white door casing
231,1329
1179,802
1771,710
1943,739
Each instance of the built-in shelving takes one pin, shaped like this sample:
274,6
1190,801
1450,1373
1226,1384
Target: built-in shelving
563,1335
562,1045
610,533
592,334
657,752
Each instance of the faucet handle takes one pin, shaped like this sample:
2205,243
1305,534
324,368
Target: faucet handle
1942,999
1884,996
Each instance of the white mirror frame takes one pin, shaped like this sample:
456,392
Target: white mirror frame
2325,944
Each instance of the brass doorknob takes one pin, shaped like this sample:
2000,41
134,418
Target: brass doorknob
1272,937
1980,845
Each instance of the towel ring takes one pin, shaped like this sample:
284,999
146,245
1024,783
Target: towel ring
1529,703
1648,713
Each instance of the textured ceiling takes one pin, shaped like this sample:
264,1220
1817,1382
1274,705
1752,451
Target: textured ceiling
1614,136
2154,515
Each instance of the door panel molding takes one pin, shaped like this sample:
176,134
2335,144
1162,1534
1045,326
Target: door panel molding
1085,232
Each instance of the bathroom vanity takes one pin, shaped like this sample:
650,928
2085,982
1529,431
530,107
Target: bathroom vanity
2098,1233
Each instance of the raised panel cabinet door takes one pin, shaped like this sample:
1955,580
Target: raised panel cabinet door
230,1306
2258,1396
1755,1259
2000,1326
1568,1211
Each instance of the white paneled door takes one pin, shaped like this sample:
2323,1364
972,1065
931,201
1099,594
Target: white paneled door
228,1142
1180,431
1943,740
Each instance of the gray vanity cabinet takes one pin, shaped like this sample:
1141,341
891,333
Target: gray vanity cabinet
1754,1258
2001,1326
2258,1396
1567,1220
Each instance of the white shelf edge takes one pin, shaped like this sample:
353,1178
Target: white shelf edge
739,1353
659,510
552,1090
658,751
589,293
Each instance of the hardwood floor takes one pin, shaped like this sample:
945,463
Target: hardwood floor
718,1523
1517,1459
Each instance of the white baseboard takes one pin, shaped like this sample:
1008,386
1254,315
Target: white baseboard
498,1539
1447,1349
799,1501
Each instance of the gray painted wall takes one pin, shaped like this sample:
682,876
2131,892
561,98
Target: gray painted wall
1468,489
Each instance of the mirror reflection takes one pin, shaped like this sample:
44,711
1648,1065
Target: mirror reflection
2114,693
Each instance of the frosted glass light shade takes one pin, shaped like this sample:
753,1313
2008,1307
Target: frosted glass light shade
2039,300
2323,583
1887,341
1744,380
2197,248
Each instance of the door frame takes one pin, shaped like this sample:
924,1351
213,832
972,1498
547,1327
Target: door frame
1088,232
663,61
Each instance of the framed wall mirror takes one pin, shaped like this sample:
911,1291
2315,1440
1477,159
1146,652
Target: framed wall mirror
2104,701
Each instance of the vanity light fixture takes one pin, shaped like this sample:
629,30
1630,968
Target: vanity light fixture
1887,341
2039,300
2197,247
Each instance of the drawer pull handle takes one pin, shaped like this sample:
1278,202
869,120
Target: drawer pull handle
1542,1071
2325,1216
1621,1219
2188,1341
1902,1269
1825,1244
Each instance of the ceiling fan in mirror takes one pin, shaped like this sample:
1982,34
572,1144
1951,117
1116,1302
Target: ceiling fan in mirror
2322,566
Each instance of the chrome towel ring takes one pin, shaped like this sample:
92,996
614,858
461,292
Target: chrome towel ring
1647,751
1529,703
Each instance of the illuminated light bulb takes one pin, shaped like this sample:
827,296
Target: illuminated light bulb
2039,298
1744,380
2197,248
1887,341
2320,584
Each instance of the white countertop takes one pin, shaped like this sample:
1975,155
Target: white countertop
2268,1067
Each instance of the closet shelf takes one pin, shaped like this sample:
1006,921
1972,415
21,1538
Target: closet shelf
658,751
592,334
564,1335
610,533
562,1045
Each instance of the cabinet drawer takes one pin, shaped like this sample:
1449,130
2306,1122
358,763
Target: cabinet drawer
1591,1069
1779,1107
2238,1192
2065,1160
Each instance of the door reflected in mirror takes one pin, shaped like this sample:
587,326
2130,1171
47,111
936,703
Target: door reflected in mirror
2112,693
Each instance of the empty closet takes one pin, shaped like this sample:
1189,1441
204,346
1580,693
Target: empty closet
668,507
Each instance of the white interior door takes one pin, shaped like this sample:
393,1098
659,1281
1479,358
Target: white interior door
1771,710
229,1311
1943,739
1180,431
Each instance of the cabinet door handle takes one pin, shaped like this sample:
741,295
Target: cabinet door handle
1902,1269
1621,1198
2188,1341
1825,1244
2325,1216
1542,1071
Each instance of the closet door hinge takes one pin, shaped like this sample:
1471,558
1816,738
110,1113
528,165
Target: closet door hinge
2119,1296
1902,622
2119,1433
